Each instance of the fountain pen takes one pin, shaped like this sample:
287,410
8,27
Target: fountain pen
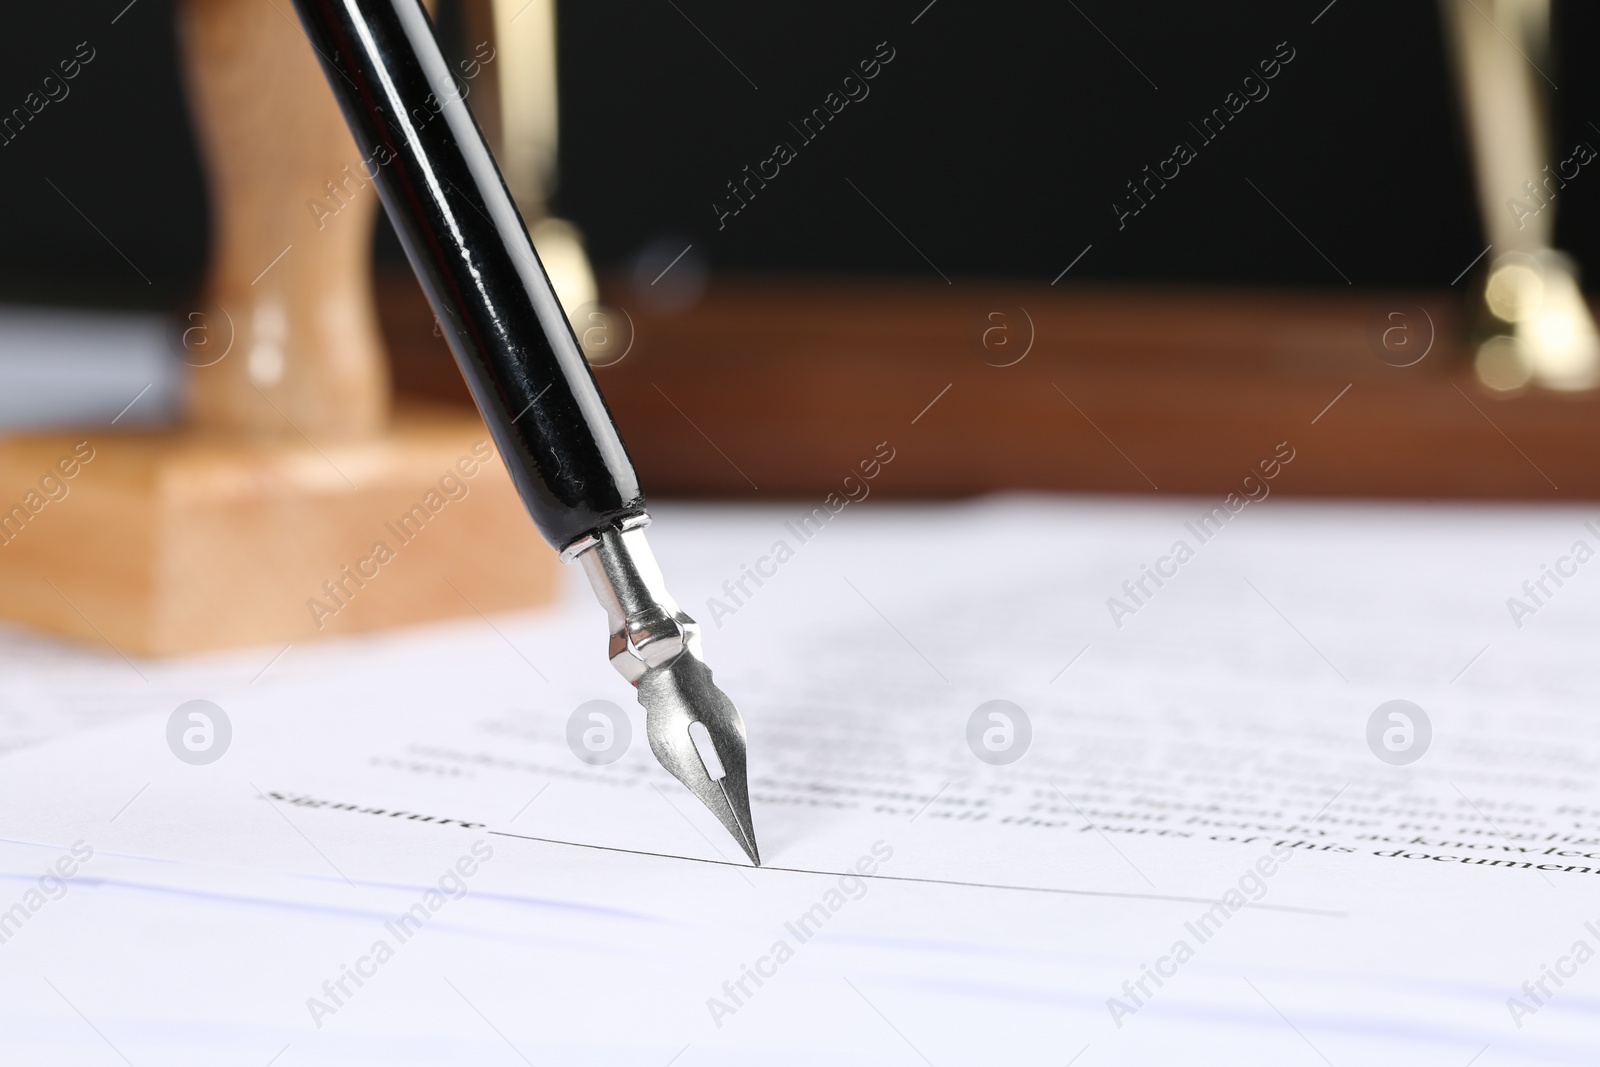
508,332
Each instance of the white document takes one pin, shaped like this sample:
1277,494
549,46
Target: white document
1199,857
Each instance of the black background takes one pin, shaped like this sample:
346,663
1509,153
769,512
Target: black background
995,141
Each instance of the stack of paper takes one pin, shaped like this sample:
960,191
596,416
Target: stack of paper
1210,851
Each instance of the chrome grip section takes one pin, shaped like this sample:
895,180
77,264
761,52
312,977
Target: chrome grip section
648,629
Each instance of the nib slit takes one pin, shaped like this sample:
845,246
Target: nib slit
749,846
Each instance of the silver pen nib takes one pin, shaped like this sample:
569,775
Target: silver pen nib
694,729
678,697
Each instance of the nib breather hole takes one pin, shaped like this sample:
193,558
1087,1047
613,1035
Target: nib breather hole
706,750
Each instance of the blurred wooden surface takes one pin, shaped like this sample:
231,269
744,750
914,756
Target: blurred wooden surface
291,255
166,542
290,505
778,388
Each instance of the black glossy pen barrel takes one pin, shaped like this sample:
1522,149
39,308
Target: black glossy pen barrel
467,243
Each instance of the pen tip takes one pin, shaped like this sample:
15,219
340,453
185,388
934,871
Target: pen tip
746,834
698,735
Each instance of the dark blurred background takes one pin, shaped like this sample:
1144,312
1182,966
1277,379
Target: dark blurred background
996,141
